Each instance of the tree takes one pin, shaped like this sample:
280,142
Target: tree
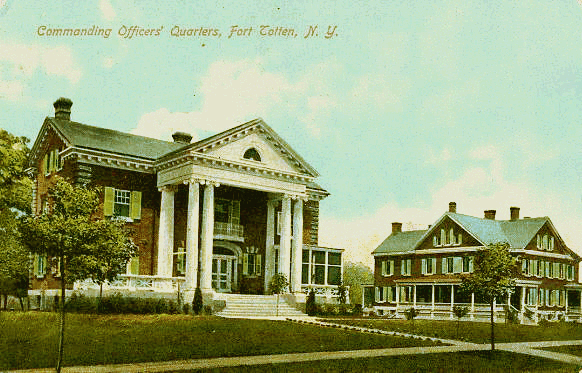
494,275
197,302
460,312
278,285
310,304
15,198
355,275
70,231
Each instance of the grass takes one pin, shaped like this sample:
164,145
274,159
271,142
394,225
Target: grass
481,361
29,340
476,332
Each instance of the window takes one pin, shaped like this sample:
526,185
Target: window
468,264
334,268
545,242
252,262
570,272
122,203
447,265
252,154
40,265
405,267
406,294
525,268
552,244
52,161
384,294
387,267
542,297
180,261
227,211
428,266
556,270
531,296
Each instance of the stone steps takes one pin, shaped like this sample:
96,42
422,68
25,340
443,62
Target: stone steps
257,306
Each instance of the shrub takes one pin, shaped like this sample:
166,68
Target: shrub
186,308
208,310
310,305
342,291
511,316
197,302
81,304
411,313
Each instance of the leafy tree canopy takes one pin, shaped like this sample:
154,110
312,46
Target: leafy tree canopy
355,275
494,274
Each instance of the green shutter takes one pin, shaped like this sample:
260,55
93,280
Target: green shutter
134,266
245,264
135,205
258,265
443,265
383,267
423,264
433,270
108,201
377,294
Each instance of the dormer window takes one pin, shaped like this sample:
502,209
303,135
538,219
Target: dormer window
252,154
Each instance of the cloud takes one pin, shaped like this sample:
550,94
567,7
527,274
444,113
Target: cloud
20,62
477,189
233,92
107,10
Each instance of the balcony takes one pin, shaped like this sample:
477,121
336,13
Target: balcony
228,232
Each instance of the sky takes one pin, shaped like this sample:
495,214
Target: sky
401,106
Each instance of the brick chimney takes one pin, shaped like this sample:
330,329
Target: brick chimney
63,108
453,207
514,213
490,214
182,137
396,227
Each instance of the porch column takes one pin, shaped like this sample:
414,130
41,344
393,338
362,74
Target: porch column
285,246
452,299
192,234
472,305
207,238
270,244
580,320
397,298
166,232
566,301
432,302
522,300
414,299
296,261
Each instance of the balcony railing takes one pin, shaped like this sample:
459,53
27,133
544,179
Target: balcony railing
227,231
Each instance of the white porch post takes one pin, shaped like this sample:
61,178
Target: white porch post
397,297
192,235
472,305
432,302
452,299
580,306
207,238
270,244
414,299
166,232
296,262
285,247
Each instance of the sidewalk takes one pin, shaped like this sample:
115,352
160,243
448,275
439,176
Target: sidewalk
529,348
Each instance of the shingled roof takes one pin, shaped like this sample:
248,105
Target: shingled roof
97,138
518,233
400,242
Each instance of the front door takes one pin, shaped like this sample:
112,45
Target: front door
222,273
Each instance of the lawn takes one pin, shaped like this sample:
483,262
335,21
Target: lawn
477,332
29,340
481,361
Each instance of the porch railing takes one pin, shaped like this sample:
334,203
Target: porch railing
234,232
328,291
135,282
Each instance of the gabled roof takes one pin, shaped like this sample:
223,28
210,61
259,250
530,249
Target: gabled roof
400,242
104,139
517,233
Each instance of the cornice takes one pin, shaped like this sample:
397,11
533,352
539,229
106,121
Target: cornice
107,159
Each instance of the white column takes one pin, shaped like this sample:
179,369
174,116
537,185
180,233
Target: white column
192,235
397,297
452,299
270,244
566,300
285,246
207,238
414,301
432,302
166,232
472,305
297,253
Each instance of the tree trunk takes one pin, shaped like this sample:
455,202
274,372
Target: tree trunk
62,326
492,327
21,304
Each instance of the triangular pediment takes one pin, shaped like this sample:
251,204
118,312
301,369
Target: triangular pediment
256,144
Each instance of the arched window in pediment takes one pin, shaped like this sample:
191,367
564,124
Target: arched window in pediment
252,154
